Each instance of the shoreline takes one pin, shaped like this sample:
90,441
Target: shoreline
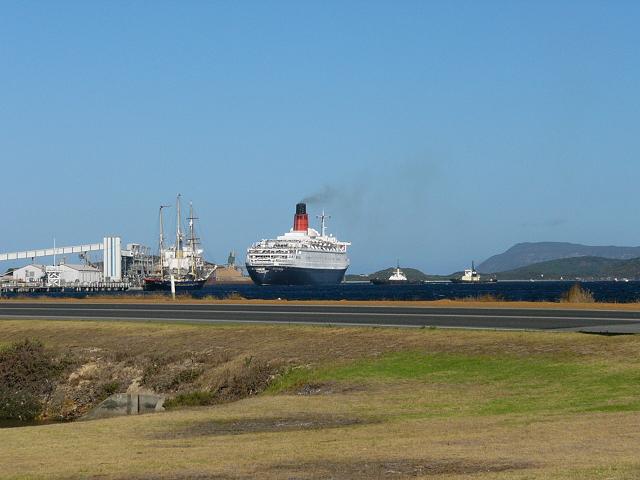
445,303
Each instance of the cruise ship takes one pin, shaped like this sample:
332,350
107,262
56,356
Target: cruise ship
302,256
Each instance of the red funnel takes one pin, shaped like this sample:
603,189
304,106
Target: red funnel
301,219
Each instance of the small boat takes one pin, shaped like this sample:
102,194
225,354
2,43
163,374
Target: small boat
472,276
397,278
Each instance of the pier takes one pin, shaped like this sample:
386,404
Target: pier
119,269
15,287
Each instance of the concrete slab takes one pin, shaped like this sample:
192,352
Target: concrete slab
120,404
607,329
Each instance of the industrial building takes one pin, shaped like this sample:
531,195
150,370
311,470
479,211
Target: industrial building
74,273
29,273
118,265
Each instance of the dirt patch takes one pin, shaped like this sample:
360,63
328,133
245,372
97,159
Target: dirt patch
179,476
355,470
262,425
391,468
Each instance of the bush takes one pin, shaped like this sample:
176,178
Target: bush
250,378
234,296
109,388
487,297
27,374
577,294
185,376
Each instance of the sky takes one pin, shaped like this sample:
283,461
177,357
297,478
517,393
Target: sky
433,132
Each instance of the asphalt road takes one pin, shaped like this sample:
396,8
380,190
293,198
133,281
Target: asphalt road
596,321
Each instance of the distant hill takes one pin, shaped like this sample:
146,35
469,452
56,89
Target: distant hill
585,268
524,254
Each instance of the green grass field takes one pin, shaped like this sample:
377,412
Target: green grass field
519,385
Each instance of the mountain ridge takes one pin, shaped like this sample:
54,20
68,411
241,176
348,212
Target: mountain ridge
529,253
576,268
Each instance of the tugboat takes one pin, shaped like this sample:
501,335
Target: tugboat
472,276
397,278
181,265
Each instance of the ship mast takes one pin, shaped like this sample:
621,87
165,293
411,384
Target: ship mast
179,236
161,243
322,218
192,239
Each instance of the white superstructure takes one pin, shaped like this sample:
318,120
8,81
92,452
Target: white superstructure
470,275
398,276
300,249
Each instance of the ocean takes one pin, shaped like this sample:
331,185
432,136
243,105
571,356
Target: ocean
622,292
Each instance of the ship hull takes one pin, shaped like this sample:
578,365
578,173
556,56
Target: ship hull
377,281
295,275
164,285
472,282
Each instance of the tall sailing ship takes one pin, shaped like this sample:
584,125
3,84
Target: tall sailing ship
302,256
181,265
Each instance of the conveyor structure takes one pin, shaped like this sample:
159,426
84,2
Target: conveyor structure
110,246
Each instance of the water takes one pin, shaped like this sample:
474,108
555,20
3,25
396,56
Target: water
621,292
512,291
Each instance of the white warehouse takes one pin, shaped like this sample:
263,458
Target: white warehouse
29,273
73,273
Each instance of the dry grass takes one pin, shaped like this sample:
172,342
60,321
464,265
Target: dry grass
154,446
396,427
485,301
577,294
302,345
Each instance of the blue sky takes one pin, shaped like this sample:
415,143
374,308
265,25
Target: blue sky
436,132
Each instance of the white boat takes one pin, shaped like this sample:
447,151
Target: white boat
397,278
470,275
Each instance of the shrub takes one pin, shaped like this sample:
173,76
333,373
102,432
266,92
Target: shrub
250,378
191,399
185,376
20,405
234,296
577,294
109,388
487,297
27,375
